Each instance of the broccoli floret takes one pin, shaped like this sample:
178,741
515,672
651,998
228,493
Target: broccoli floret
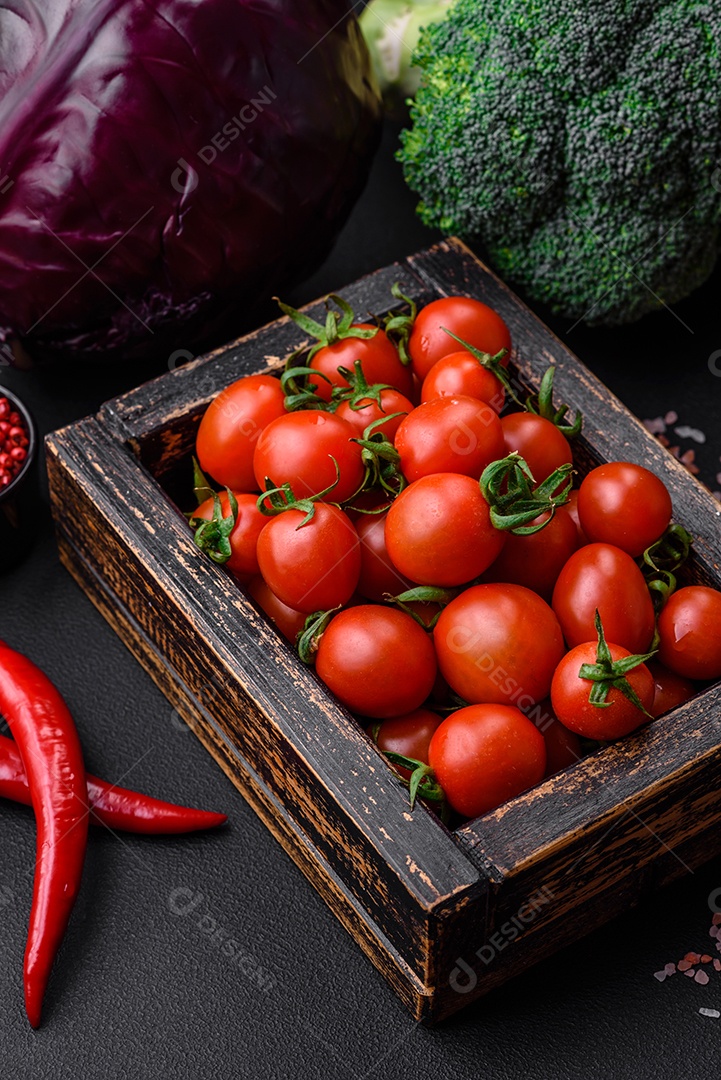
579,143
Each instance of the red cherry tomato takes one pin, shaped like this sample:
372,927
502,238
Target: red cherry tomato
484,755
690,631
298,449
378,575
449,435
538,441
289,622
498,643
624,504
391,402
470,320
409,735
378,356
604,577
570,696
377,661
249,524
460,375
670,689
439,531
231,426
311,567
536,560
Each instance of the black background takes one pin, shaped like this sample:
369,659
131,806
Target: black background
141,992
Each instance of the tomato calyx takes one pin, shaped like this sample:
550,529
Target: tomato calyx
276,500
607,674
398,327
338,326
298,395
541,404
313,629
422,780
491,363
662,559
213,536
506,487
381,459
423,594
359,392
201,485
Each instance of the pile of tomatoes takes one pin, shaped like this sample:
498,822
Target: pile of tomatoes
396,511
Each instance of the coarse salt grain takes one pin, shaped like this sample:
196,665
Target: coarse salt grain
705,959
716,920
702,978
671,417
656,426
710,1012
670,969
691,973
717,965
686,432
683,965
693,957
660,975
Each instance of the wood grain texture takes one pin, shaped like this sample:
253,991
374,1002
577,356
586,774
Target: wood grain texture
443,916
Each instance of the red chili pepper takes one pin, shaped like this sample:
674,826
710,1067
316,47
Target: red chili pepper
116,807
49,746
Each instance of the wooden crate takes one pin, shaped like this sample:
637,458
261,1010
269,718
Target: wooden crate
445,916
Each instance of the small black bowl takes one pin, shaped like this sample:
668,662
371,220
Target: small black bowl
19,500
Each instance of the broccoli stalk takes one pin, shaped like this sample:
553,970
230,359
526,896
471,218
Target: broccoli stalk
580,144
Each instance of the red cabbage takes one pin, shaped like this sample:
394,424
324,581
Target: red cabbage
164,162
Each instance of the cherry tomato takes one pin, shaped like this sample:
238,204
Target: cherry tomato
378,356
536,560
484,755
624,504
498,643
471,320
298,449
378,575
231,426
289,622
670,689
311,567
563,747
458,435
249,524
439,531
377,661
570,696
690,631
391,402
460,375
604,577
409,735
538,441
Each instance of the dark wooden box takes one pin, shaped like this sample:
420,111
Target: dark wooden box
444,915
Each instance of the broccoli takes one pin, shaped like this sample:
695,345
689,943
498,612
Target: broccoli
579,143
